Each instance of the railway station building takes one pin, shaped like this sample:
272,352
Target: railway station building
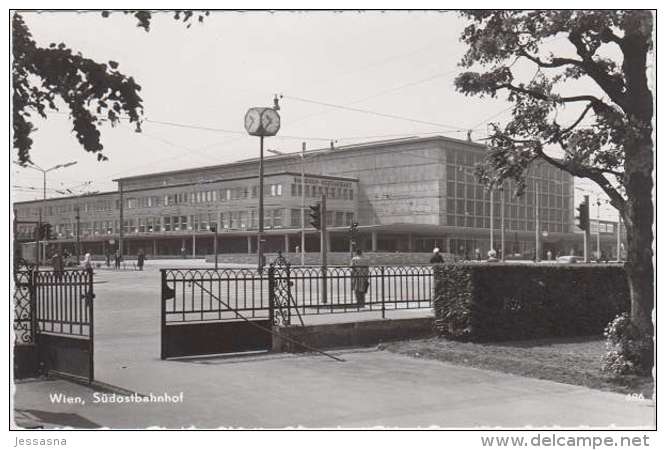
407,195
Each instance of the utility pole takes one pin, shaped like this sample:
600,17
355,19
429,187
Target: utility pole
324,293
619,236
586,236
492,230
502,221
78,234
303,205
39,234
598,230
537,252
215,244
121,225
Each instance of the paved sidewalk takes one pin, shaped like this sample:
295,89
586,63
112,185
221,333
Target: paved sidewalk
371,388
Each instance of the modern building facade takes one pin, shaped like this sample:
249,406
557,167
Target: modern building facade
407,195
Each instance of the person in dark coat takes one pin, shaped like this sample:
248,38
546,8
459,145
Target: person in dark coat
58,264
360,277
140,259
436,257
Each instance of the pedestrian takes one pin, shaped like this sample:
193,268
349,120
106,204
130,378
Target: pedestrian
87,263
182,252
549,255
360,277
58,264
436,257
108,258
117,259
477,253
140,258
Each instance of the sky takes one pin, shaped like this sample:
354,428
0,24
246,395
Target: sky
202,80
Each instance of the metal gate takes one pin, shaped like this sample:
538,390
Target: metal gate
53,323
208,312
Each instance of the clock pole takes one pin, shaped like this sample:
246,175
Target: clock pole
260,234
262,122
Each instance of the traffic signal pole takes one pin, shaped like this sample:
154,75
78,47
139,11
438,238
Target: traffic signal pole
586,236
324,289
303,205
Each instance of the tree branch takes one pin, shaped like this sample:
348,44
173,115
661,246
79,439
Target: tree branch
544,97
596,175
554,62
609,84
579,120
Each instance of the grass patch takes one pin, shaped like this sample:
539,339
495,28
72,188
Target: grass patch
565,360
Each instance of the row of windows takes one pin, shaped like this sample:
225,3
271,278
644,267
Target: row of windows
509,224
318,191
236,193
482,208
333,218
228,220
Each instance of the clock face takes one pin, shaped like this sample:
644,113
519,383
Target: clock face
252,120
270,122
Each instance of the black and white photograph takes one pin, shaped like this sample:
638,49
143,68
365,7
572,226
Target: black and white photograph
336,219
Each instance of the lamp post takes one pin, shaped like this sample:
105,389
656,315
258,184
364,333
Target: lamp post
44,172
262,122
598,229
501,190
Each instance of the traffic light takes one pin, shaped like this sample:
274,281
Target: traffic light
353,228
315,216
44,232
583,217
48,232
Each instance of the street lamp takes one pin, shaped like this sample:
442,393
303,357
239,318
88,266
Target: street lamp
45,171
34,166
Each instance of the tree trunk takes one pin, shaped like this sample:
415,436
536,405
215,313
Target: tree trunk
639,217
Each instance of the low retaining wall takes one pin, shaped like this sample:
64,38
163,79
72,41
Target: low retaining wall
353,334
334,258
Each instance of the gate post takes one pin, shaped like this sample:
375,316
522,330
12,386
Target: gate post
288,272
32,300
163,339
90,297
383,300
271,293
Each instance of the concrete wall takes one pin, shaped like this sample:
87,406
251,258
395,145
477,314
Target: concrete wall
352,334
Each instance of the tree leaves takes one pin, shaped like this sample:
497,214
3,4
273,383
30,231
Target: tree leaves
596,142
95,93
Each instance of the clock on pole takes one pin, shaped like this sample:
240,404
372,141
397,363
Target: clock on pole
262,122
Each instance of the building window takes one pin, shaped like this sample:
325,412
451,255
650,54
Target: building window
277,218
295,218
339,219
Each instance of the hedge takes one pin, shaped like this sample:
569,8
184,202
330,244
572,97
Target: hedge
491,302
